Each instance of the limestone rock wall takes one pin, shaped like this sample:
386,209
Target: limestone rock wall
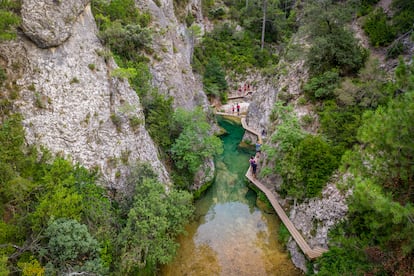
315,218
171,64
49,22
72,105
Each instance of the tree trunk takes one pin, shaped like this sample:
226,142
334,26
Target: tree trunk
263,24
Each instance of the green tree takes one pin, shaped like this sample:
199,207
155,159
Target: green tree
322,86
340,124
126,41
214,79
339,50
403,17
379,31
376,238
388,134
316,160
195,142
71,248
333,45
286,138
154,221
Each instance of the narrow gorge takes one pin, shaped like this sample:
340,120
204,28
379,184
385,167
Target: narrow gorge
113,145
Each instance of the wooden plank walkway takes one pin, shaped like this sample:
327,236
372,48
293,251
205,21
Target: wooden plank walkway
303,245
240,96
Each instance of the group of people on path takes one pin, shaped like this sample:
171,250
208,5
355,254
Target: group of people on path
252,160
236,107
245,88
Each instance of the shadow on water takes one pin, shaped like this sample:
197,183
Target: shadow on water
230,235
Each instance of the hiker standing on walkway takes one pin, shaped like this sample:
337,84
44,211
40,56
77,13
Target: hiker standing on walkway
258,148
253,164
232,108
238,109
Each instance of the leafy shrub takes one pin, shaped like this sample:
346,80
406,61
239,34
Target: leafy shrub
71,245
283,234
340,124
214,79
316,161
116,120
377,28
336,50
322,86
3,76
395,49
194,143
158,112
126,41
189,19
153,223
92,66
235,50
135,122
124,11
403,15
217,13
8,23
365,6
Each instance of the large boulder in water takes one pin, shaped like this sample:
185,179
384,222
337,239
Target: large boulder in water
48,23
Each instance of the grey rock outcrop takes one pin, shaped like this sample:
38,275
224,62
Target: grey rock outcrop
205,175
49,23
171,67
73,106
316,217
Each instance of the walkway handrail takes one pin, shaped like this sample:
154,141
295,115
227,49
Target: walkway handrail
303,245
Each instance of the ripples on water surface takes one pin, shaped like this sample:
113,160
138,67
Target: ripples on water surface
230,235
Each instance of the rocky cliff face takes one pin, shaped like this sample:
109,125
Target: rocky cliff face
171,64
171,67
315,218
70,102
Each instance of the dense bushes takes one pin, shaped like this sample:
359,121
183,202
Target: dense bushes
214,80
322,87
382,28
56,220
70,245
9,19
378,29
123,28
195,143
153,222
236,50
337,50
304,161
403,17
376,238
126,41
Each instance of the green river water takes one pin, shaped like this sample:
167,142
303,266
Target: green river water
230,235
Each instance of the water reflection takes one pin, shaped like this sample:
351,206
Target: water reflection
230,236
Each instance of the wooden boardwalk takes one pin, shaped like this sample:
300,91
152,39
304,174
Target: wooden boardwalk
303,245
234,97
